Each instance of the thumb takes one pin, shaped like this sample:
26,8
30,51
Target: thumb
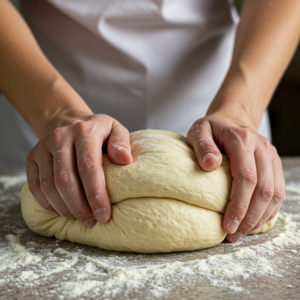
118,146
200,138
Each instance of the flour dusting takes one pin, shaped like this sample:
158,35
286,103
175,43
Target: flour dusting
10,181
293,188
71,271
114,275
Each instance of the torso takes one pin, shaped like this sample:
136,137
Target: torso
147,63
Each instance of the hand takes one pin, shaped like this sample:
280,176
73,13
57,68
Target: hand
258,183
64,170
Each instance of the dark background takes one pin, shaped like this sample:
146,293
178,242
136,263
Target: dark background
284,108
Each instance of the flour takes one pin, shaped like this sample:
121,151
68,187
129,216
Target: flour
112,275
293,187
14,255
10,181
69,272
28,275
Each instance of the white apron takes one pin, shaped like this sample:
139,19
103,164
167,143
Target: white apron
148,63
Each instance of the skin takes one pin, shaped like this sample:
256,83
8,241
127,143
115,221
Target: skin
64,169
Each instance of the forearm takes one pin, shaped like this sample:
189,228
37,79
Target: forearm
266,39
29,80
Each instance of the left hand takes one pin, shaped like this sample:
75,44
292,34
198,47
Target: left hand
258,184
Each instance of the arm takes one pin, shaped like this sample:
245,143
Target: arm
28,79
265,42
266,39
64,170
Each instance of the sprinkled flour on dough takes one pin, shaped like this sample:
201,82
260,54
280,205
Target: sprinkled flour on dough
71,272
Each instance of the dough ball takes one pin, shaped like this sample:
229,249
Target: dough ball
162,202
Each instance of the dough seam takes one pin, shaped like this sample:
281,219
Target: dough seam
134,198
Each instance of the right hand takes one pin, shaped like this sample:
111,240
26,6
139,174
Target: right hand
64,170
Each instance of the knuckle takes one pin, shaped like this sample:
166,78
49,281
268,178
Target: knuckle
265,142
195,132
95,198
38,151
63,179
265,190
82,128
125,131
243,134
205,145
249,224
47,184
56,136
247,175
274,152
240,208
87,166
278,196
199,123
117,141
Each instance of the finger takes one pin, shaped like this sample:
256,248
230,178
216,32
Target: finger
262,195
48,186
243,169
275,212
279,193
281,187
118,146
69,186
200,138
33,180
89,164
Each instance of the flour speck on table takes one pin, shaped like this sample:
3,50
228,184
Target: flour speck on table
265,266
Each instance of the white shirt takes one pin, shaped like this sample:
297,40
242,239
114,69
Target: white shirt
147,63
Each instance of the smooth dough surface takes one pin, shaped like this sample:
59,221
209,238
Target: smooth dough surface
162,202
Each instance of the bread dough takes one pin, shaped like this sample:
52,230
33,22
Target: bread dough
162,202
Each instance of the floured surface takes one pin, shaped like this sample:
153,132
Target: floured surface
265,266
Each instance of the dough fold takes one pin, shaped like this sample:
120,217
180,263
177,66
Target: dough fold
162,202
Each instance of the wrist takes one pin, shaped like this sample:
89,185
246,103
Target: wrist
239,101
60,105
66,117
237,114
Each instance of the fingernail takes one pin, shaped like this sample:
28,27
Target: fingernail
236,236
207,156
101,215
90,223
233,225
